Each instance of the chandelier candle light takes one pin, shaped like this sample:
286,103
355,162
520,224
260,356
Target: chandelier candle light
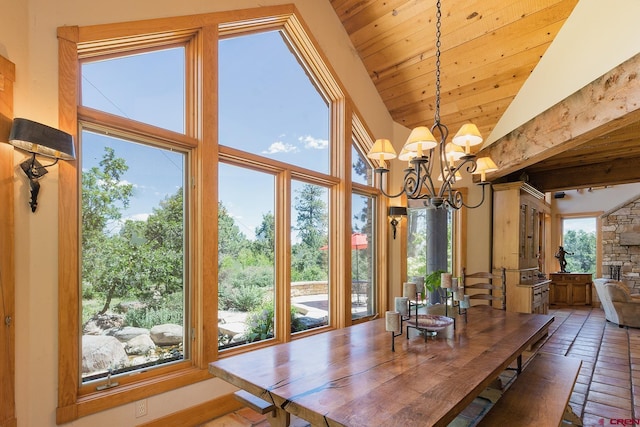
420,151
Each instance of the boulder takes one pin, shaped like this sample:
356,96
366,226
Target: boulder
127,333
141,344
101,352
100,323
167,334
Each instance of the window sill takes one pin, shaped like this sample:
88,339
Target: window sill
98,401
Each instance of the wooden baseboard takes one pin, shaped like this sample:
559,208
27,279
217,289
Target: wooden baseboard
199,414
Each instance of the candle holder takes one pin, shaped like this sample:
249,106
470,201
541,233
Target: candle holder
463,306
393,324
460,305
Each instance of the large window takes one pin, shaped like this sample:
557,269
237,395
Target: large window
246,256
364,206
209,209
134,287
272,112
579,236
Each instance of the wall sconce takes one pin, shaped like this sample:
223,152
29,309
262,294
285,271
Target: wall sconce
39,139
396,213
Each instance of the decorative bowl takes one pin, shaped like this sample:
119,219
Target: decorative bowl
430,322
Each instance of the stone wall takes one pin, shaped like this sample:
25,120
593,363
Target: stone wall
620,250
299,289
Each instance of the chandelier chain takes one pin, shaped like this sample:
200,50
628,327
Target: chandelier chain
438,34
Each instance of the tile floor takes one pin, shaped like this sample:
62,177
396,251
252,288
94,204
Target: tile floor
607,391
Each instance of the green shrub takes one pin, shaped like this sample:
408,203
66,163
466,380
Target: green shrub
241,298
171,310
88,291
260,322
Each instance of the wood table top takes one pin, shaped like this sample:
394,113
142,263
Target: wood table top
350,376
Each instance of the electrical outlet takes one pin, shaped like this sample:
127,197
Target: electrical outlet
141,408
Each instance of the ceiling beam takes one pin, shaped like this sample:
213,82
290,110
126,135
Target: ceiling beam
604,105
592,175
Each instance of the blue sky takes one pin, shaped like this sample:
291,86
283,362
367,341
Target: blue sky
267,105
586,224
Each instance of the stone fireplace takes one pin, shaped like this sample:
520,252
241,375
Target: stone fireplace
621,243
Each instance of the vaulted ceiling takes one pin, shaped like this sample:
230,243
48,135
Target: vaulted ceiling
488,50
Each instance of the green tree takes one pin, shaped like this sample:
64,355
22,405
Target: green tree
231,241
104,254
143,259
104,195
362,169
159,243
581,246
308,261
109,267
265,243
165,226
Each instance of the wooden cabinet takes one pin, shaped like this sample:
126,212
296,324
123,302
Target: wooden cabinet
570,288
529,298
519,230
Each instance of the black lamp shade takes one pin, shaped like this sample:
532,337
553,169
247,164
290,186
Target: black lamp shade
396,211
41,139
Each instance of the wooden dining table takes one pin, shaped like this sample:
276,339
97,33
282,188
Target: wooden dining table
351,376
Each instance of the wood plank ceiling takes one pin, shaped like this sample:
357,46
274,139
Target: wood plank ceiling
488,50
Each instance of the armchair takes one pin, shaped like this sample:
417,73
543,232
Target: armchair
626,307
620,307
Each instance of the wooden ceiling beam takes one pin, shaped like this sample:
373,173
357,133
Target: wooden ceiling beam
608,103
592,175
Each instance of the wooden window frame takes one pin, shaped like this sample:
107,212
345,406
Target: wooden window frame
560,235
7,249
201,33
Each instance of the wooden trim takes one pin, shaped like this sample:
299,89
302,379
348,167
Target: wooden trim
283,256
340,205
7,250
94,37
141,130
198,414
68,240
207,194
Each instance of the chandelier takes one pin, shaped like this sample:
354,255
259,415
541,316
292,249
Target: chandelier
420,153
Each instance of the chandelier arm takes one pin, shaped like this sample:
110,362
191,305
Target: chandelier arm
455,200
470,163
483,184
381,172
412,181
427,181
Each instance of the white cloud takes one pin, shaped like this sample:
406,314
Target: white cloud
280,147
139,217
314,143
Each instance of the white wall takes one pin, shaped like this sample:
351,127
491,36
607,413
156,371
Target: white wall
598,199
597,36
28,39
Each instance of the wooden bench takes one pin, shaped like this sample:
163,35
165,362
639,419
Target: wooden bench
539,396
254,402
